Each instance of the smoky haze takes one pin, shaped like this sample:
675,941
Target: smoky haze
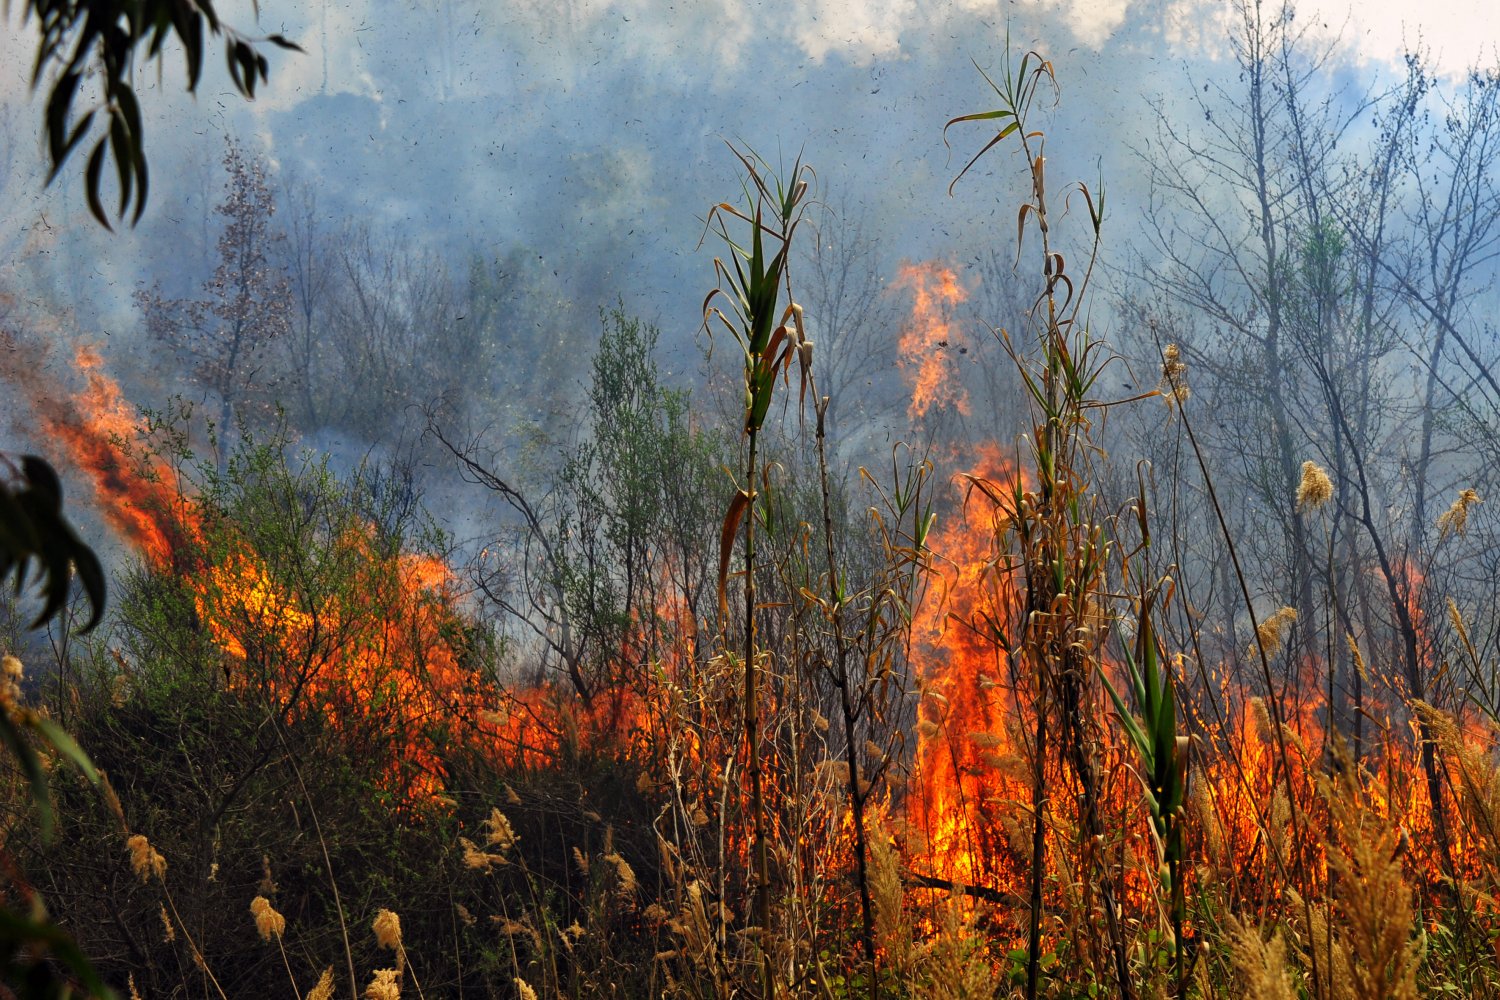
563,157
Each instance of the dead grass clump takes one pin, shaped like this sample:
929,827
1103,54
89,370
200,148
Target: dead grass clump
1364,934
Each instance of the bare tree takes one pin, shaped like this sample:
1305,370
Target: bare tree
309,264
1320,278
230,337
850,319
395,329
380,327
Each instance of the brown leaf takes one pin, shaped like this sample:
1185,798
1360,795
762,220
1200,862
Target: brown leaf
737,508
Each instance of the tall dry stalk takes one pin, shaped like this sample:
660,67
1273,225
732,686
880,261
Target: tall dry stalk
1053,544
768,337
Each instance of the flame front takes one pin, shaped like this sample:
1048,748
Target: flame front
383,659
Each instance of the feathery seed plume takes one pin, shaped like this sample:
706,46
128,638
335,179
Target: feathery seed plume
1456,619
1272,632
524,990
1455,520
387,929
1260,716
144,859
624,873
268,923
111,800
324,988
383,986
498,831
476,859
1316,489
1359,659
168,932
1260,965
1173,385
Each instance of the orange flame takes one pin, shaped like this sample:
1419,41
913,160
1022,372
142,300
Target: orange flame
970,782
381,657
384,662
930,341
97,427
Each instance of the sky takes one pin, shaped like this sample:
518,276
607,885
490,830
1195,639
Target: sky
624,78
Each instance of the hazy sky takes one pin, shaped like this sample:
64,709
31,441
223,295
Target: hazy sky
590,133
592,130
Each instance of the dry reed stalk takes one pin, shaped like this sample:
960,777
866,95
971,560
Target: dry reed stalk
751,289
1367,928
1477,784
1260,964
1057,546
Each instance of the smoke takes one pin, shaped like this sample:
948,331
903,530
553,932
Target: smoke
587,136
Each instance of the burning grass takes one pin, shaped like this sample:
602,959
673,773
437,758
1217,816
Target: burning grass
371,642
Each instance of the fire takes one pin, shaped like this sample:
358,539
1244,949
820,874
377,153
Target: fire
380,657
384,660
931,341
1255,812
379,651
967,771
98,428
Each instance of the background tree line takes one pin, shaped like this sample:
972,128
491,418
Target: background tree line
1324,257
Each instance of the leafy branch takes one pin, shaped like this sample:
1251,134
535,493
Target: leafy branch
102,39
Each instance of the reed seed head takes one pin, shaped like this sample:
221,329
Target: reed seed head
476,859
1316,489
1261,965
498,831
1272,632
383,986
324,988
624,874
387,929
145,861
111,800
1173,385
268,923
1455,520
1359,659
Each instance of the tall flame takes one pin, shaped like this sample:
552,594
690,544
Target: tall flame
384,662
97,427
931,341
